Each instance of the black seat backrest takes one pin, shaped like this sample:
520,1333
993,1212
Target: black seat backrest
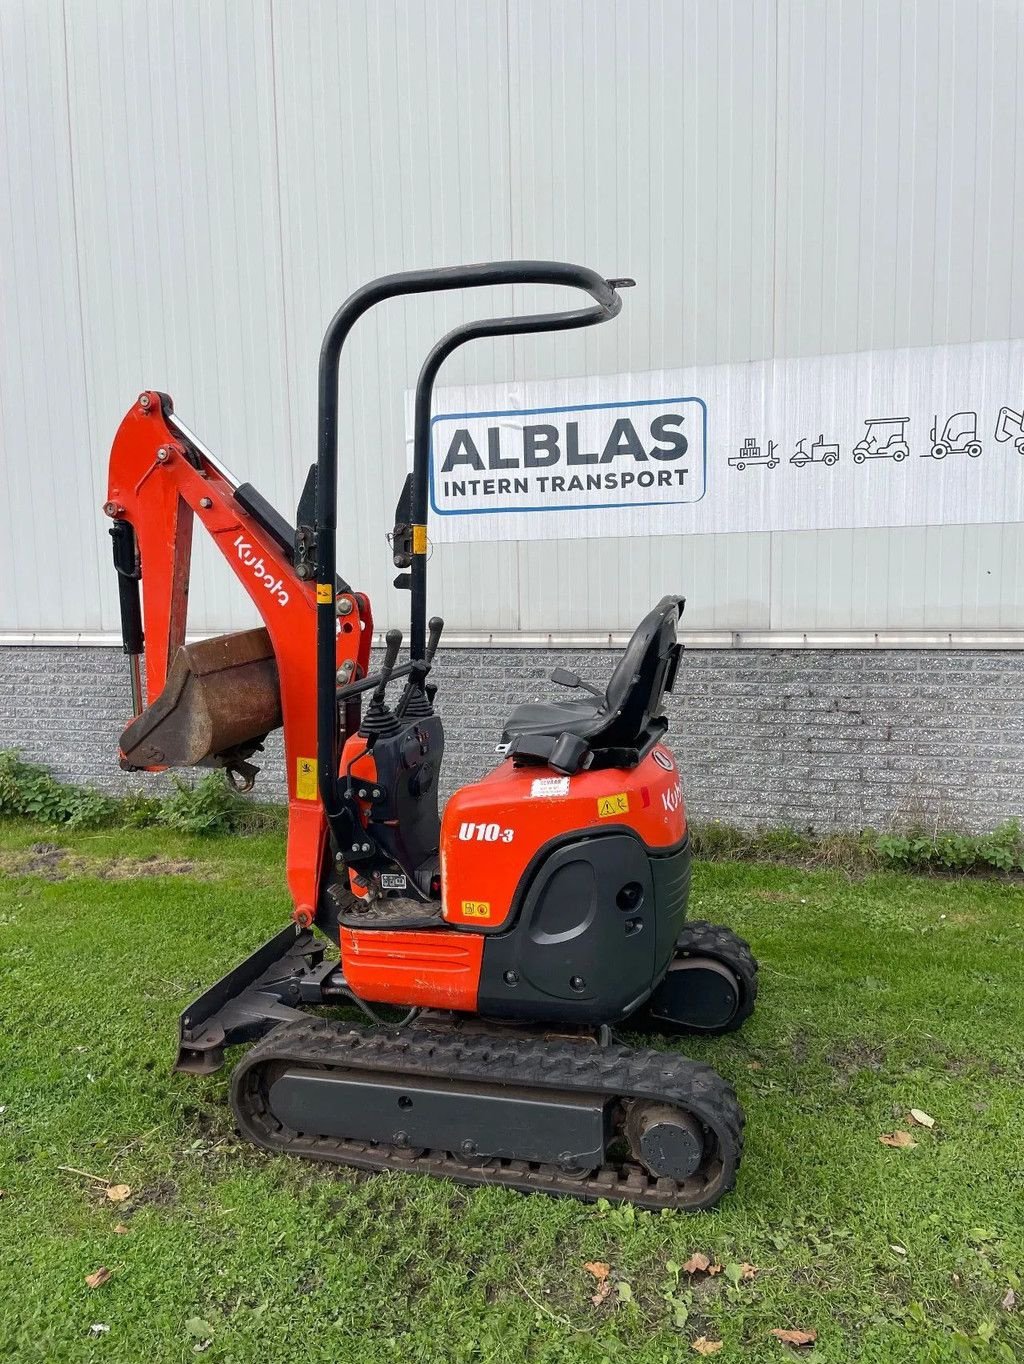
636,689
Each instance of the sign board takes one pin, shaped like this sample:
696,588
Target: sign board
924,436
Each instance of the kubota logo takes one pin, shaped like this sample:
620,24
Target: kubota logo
255,561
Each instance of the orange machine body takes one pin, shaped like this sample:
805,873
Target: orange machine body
492,830
493,833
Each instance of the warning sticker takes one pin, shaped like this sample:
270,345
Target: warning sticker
550,786
324,593
476,909
613,805
305,779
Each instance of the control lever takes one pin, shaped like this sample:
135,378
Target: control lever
392,643
434,627
565,678
416,702
378,720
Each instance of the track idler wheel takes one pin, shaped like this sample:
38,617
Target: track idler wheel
710,986
667,1142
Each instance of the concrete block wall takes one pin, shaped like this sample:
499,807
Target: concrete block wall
829,739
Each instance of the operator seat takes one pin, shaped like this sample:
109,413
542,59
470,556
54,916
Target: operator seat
618,728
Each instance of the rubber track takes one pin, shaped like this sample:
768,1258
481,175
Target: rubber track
541,1063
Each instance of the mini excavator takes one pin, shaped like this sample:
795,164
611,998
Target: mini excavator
489,950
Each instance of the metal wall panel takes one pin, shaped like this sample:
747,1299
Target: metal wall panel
190,187
48,558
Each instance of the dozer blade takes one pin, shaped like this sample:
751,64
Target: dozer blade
252,998
221,699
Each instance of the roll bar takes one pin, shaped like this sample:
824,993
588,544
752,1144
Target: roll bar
607,305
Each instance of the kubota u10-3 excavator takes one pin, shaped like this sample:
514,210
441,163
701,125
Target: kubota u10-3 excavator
545,906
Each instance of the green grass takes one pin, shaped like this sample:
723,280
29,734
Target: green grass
877,995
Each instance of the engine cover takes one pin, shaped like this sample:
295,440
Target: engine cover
591,934
494,832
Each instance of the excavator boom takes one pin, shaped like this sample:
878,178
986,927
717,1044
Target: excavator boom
212,703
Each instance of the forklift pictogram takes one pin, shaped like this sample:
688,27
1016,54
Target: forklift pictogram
1007,420
819,453
959,436
885,438
750,453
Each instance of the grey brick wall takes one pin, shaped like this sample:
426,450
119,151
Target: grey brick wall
829,739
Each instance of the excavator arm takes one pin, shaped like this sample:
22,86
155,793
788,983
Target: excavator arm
212,703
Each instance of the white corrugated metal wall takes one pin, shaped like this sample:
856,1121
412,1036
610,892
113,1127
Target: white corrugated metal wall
188,188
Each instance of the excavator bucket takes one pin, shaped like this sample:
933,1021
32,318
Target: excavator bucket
221,699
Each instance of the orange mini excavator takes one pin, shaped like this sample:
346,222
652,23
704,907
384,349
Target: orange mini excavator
545,906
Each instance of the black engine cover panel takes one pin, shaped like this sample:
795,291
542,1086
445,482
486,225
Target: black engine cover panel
587,940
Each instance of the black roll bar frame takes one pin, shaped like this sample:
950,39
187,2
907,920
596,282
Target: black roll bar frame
607,305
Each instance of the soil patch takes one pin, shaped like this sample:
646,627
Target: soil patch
54,863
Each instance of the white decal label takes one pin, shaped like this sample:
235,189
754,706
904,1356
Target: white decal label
393,880
485,833
550,786
254,561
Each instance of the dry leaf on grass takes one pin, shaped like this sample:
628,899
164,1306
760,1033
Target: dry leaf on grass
118,1193
795,1338
903,1140
747,1272
922,1118
600,1272
1009,1303
703,1346
700,1264
603,1290
120,1229
98,1277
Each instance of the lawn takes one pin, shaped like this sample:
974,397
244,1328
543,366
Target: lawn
878,995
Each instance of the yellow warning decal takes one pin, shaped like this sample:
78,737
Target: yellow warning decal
324,593
419,539
476,909
613,805
305,779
